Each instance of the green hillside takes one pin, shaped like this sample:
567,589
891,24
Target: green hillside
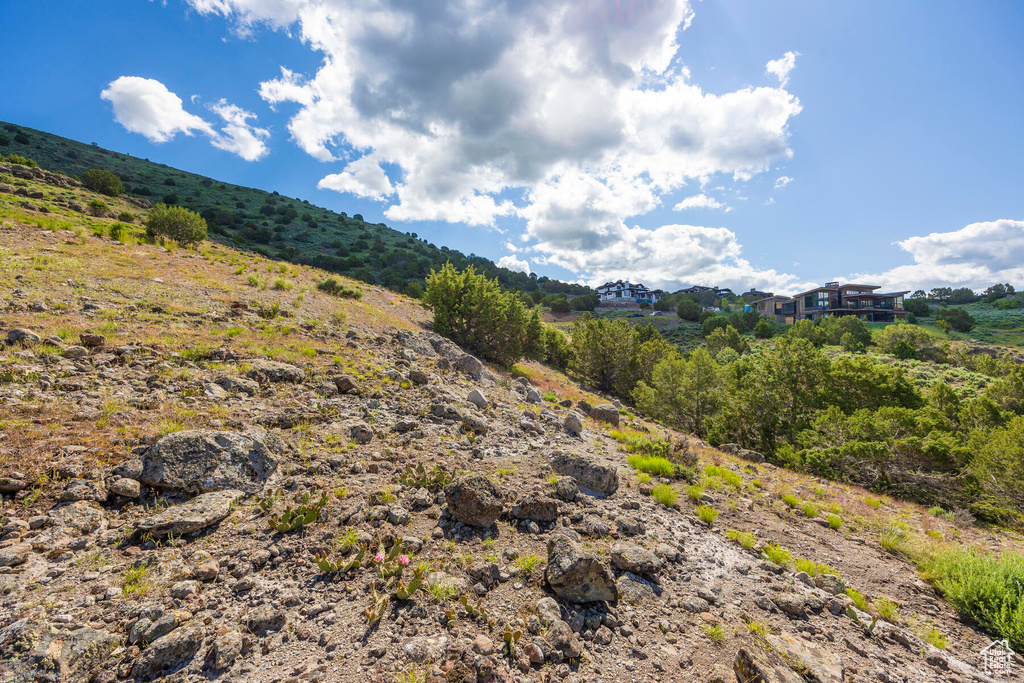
268,223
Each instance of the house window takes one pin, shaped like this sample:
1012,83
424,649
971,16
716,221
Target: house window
822,299
809,301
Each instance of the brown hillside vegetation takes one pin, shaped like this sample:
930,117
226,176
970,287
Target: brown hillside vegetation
209,471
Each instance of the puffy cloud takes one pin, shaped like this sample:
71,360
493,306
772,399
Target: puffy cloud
363,177
782,181
781,67
513,263
147,107
975,256
237,136
700,201
571,115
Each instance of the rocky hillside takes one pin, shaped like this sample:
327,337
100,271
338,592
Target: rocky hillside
212,470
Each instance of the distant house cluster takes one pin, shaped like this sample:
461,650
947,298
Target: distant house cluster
628,292
834,299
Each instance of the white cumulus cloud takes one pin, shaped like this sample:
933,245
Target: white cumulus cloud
513,263
145,106
363,177
975,256
782,181
700,201
573,116
781,67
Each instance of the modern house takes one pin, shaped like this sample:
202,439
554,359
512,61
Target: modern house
627,292
700,289
863,301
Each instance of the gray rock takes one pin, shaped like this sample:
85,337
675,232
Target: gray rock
92,341
75,352
587,473
469,365
830,583
13,555
474,500
632,558
214,391
533,396
426,649
346,384
83,489
560,638
273,371
635,589
361,432
574,423
13,484
238,385
34,651
84,517
129,488
817,663
184,589
756,664
266,618
168,654
548,611
418,376
200,512
536,507
575,574
606,412
630,526
474,423
226,649
566,489
200,460
20,334
477,398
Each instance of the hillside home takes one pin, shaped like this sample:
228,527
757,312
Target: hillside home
863,301
627,292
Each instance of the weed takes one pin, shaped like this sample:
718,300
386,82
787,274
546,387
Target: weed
887,609
813,568
758,628
652,464
442,591
707,514
810,510
935,638
715,632
893,538
695,493
746,539
791,500
873,502
834,522
777,554
858,599
525,564
135,582
664,494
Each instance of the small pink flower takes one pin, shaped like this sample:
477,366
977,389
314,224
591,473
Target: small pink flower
379,557
403,560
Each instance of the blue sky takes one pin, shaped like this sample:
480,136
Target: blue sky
741,143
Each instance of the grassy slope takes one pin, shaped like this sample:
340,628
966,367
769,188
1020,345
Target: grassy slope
392,257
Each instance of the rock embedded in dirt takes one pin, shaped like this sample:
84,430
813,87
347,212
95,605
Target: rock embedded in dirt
73,352
606,412
477,398
272,371
588,474
13,555
200,512
633,558
474,500
756,664
469,365
83,517
575,574
92,341
168,654
12,484
201,460
538,508
548,611
237,385
32,651
573,423
346,384
20,334
83,489
819,664
361,432
533,396
561,639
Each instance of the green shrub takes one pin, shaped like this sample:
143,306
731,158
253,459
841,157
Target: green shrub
336,287
118,231
20,161
858,599
746,539
126,217
707,514
813,568
987,589
777,554
102,181
664,494
652,464
176,223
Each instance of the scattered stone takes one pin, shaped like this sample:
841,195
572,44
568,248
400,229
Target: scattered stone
808,657
560,638
755,664
73,352
13,484
574,423
533,396
606,412
469,365
168,654
361,432
20,334
33,651
599,479
536,507
238,385
272,371
83,489
477,398
215,392
200,512
631,558
123,486
482,645
346,384
426,649
226,649
183,590
474,500
200,460
575,574
266,618
548,611
84,517
92,341
13,555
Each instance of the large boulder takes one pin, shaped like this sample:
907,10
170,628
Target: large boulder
264,371
474,500
200,512
168,654
532,506
756,664
633,558
20,334
574,423
201,460
469,365
588,474
606,412
575,574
